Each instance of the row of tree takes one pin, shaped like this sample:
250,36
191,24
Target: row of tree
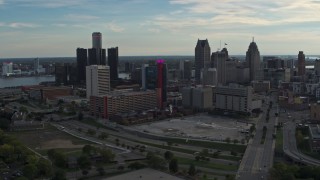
281,171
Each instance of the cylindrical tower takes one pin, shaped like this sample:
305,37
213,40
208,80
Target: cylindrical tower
97,40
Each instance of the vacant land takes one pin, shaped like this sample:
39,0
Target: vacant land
49,138
202,127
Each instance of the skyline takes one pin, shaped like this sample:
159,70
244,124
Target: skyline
36,28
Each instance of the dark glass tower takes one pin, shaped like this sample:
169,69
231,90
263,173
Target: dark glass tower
202,57
82,58
156,78
253,60
113,61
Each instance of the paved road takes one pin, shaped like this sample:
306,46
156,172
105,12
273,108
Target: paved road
290,146
258,158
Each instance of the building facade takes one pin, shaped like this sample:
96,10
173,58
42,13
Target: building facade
82,62
7,68
202,58
235,98
122,102
97,80
315,111
301,64
218,60
113,61
253,60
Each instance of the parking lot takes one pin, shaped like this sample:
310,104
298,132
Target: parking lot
200,127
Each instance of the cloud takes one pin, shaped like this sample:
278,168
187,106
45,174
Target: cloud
80,17
115,28
234,14
18,25
49,3
1,2
60,25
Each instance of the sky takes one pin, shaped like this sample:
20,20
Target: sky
55,28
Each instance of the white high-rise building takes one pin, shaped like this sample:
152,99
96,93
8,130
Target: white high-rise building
7,68
97,80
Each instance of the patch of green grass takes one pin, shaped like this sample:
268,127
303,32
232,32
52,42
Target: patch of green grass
212,145
232,158
279,141
207,164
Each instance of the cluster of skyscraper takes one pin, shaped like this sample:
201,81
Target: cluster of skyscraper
213,67
97,56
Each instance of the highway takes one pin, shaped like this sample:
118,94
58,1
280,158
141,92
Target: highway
72,126
290,146
258,158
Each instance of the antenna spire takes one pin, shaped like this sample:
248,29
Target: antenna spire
252,39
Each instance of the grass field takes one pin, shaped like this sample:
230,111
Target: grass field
50,138
206,164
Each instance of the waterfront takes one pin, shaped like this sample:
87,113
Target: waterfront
21,81
35,80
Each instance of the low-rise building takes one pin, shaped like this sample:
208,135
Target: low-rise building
49,93
197,97
122,102
236,98
261,86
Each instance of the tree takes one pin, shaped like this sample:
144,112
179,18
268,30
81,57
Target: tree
32,159
228,140
44,168
6,151
30,171
60,159
197,158
136,166
235,141
87,149
84,162
205,152
230,177
192,170
173,165
106,155
101,171
168,155
91,132
157,162
80,116
59,175
51,153
103,135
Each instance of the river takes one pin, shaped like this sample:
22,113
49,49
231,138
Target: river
22,81
35,80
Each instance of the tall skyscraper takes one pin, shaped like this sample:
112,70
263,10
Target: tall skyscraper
301,64
253,60
7,68
97,55
66,74
202,57
162,82
219,59
97,80
187,68
36,65
82,58
97,40
155,77
113,60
